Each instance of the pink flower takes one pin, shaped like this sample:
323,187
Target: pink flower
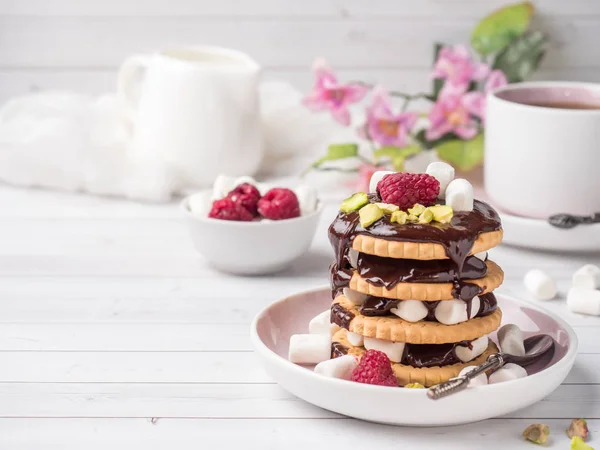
475,102
450,114
454,64
328,94
385,127
365,171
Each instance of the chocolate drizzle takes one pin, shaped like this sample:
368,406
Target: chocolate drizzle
457,238
431,355
338,350
341,316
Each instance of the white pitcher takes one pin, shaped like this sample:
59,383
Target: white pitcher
195,110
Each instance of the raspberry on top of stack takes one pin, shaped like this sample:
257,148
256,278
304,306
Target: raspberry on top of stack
411,277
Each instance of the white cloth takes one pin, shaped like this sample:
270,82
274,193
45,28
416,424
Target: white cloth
76,142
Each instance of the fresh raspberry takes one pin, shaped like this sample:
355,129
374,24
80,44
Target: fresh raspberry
375,368
278,204
247,195
406,189
229,209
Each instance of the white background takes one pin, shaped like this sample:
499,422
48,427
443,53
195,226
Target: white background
78,44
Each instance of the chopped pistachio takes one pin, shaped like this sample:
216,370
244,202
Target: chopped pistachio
412,218
579,428
388,208
442,213
417,209
399,217
414,386
354,202
537,433
578,444
426,216
369,214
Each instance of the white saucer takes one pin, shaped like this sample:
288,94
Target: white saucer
272,328
539,234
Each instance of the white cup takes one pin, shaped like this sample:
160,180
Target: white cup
196,110
542,160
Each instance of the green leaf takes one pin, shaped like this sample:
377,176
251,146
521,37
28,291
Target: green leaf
437,82
397,155
428,145
501,27
336,152
465,155
522,57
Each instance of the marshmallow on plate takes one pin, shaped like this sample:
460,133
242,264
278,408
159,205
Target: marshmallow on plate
321,324
481,255
222,186
451,312
355,339
200,203
584,301
479,380
587,277
307,198
442,172
507,372
393,350
341,367
540,284
376,178
459,195
468,353
410,310
355,297
309,348
510,339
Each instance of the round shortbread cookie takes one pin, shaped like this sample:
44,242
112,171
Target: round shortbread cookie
427,376
427,291
393,328
419,250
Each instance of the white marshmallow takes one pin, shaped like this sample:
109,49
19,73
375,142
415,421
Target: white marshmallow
309,348
481,255
200,203
442,172
222,186
587,277
584,301
393,350
353,257
410,310
459,195
307,198
355,297
510,339
355,339
507,372
376,178
479,380
540,284
478,346
341,367
321,324
451,312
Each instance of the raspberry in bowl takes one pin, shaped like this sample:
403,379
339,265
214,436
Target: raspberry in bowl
247,228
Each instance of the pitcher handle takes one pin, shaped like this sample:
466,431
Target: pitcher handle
129,80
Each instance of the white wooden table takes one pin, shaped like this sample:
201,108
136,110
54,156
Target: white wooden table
115,333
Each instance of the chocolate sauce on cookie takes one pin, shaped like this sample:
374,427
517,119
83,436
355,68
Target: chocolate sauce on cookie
430,355
341,316
338,350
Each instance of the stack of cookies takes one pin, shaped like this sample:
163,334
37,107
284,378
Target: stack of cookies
412,278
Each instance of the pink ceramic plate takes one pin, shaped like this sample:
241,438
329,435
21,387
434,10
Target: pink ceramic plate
272,328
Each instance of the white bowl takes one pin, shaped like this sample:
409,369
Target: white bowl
272,328
251,248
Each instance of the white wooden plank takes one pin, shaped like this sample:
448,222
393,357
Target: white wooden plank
173,367
221,401
279,8
100,434
387,42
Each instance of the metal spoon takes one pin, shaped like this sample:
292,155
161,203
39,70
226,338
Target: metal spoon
535,347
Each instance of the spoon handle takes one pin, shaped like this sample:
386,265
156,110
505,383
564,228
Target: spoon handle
457,384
